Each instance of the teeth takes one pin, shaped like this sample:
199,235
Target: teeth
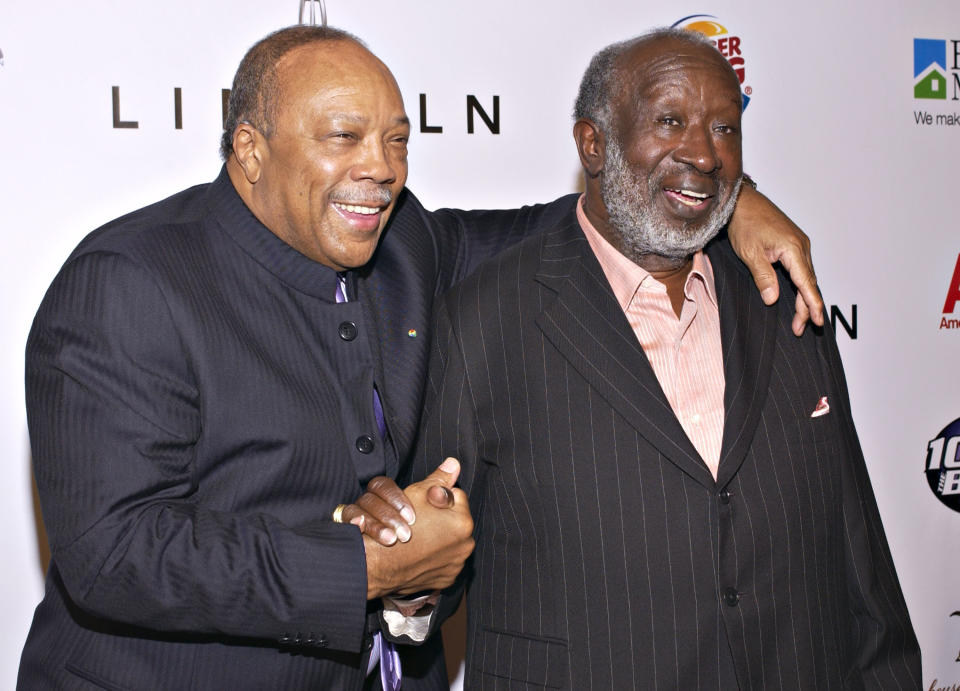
354,209
688,197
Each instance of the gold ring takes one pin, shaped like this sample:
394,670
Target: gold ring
338,513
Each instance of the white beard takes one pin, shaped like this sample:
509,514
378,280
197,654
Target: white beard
643,229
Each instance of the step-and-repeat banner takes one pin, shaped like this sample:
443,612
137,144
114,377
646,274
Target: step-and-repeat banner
852,126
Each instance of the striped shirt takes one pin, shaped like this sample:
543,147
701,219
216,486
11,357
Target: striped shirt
685,353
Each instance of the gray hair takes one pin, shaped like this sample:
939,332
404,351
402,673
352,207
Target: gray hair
603,75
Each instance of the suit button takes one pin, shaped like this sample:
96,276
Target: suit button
311,640
347,331
364,443
724,496
321,641
731,596
284,638
368,642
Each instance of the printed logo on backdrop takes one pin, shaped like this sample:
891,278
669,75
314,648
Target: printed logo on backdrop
478,109
845,321
936,77
953,299
957,614
727,42
943,465
936,684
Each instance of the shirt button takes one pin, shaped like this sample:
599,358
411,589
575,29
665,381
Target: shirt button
364,443
695,418
724,496
731,596
347,331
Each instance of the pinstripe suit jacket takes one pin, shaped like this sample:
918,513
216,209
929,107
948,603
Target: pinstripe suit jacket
193,410
607,557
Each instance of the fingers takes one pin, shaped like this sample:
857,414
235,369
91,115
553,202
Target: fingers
446,474
371,527
765,278
377,519
388,491
800,316
809,303
440,482
440,497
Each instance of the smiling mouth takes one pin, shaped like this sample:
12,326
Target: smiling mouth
687,197
358,209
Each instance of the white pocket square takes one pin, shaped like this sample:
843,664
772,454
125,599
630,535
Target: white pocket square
822,408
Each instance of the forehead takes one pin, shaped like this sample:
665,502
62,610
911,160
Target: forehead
665,64
335,70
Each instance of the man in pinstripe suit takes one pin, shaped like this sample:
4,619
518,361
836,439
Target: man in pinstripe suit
667,484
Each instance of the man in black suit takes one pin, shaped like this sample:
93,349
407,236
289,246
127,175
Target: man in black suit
208,378
667,485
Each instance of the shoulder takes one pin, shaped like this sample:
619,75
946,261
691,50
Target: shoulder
533,216
513,271
152,226
132,264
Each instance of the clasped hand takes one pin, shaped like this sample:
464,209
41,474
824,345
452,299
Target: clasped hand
402,560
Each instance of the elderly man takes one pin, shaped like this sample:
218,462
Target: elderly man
667,485
208,378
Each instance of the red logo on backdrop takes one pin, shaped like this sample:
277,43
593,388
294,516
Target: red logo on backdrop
727,42
953,297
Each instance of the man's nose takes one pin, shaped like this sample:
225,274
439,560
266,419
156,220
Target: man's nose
375,164
697,149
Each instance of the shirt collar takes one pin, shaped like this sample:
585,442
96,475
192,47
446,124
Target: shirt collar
626,277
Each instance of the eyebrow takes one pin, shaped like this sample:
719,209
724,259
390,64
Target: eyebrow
361,119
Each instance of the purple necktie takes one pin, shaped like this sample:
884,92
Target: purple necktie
390,674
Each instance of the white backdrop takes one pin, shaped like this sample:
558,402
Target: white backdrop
831,133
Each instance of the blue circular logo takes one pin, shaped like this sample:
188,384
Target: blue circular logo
943,465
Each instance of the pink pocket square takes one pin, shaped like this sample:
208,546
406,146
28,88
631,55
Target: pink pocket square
822,408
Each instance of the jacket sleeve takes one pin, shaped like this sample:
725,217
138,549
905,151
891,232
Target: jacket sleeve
449,428
482,234
883,647
115,415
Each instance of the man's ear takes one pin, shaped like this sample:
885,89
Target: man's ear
249,148
590,145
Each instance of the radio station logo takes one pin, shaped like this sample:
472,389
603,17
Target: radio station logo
727,42
943,465
950,303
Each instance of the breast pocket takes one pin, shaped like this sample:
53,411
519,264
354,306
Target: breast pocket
513,657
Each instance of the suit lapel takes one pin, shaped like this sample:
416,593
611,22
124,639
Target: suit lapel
589,329
748,331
